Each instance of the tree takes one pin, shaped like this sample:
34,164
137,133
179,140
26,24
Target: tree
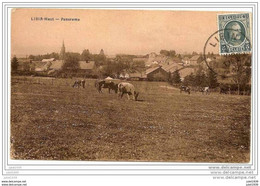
172,53
14,64
138,66
118,68
176,78
212,80
45,56
167,53
102,52
54,55
194,53
71,62
179,56
240,67
32,57
85,55
164,52
127,60
200,78
99,59
189,80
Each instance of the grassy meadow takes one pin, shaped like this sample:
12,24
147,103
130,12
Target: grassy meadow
50,120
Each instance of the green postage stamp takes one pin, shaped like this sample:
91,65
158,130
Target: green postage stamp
234,33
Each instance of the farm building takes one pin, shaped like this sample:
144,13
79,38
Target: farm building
139,76
174,60
186,71
171,68
195,60
153,58
140,59
25,65
157,74
124,75
56,65
48,60
186,61
40,66
86,67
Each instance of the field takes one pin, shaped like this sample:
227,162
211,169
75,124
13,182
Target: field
50,120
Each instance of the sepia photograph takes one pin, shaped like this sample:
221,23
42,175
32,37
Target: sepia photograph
130,85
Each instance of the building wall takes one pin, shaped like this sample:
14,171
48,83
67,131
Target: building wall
186,71
156,74
193,62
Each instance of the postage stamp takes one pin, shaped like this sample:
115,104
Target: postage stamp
234,33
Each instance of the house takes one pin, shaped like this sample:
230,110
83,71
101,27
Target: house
110,56
56,65
152,55
140,59
153,58
177,60
124,75
157,74
25,65
172,68
195,60
86,67
139,76
171,60
48,60
39,66
186,61
186,71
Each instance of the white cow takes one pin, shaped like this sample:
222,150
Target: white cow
205,89
127,88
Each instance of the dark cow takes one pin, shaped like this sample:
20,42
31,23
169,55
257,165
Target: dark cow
127,88
106,84
185,89
224,89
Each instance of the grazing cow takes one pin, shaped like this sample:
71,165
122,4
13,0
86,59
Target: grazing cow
127,88
224,89
106,84
185,89
204,89
77,83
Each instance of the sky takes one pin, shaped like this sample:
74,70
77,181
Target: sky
115,31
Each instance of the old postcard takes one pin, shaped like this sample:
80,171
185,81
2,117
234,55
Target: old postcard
130,85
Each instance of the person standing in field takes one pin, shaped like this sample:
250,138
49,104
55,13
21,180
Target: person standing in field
83,83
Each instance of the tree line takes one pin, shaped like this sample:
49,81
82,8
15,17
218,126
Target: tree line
198,79
103,65
234,69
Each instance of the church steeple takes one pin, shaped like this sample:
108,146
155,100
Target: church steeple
62,51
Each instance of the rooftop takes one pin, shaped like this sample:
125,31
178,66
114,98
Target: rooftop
86,65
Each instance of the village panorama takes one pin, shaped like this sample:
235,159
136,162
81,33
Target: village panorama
218,72
160,106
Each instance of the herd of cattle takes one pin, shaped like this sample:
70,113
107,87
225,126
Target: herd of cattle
122,88
119,88
188,89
